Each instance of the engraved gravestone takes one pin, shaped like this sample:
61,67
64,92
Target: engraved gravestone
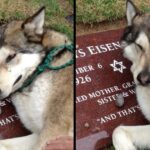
102,74
10,125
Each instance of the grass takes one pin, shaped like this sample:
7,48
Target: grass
56,11
92,11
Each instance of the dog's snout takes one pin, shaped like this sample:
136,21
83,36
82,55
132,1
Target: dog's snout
144,77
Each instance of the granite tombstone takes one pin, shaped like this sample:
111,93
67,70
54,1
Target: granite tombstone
103,76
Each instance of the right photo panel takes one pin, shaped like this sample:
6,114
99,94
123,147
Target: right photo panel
112,74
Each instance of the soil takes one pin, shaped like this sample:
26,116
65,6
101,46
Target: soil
83,29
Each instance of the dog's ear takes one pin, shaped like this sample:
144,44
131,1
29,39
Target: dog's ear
36,22
131,12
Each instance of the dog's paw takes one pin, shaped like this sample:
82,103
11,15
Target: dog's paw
121,139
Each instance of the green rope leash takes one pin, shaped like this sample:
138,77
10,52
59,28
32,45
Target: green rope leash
47,64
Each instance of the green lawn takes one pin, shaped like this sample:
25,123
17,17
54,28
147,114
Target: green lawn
56,11
91,11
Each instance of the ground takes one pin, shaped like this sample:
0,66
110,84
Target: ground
101,15
56,12
83,29
91,11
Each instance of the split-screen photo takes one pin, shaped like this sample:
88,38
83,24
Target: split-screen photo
74,75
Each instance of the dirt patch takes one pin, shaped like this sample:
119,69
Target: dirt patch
83,29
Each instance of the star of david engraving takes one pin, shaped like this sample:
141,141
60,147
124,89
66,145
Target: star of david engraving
118,66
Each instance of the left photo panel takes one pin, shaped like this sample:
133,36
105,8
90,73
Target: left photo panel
36,75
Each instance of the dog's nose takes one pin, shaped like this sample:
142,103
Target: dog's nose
144,77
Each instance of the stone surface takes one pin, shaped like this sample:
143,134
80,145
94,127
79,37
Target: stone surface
101,74
10,125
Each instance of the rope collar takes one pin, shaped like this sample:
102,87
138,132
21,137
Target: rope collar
47,64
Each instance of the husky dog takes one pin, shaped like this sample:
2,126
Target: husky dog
46,106
136,45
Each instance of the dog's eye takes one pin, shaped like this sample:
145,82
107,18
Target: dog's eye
10,57
141,48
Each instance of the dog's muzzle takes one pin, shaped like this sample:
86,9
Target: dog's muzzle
144,78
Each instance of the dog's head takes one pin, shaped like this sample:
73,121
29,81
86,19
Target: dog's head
136,43
23,45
